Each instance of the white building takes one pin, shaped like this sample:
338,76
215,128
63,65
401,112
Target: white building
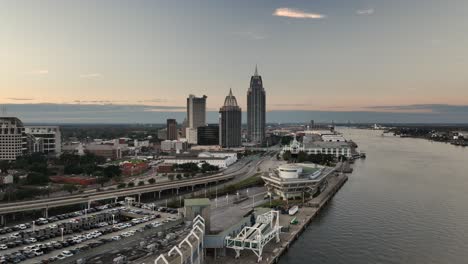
173,145
220,159
294,180
13,143
319,147
192,135
47,139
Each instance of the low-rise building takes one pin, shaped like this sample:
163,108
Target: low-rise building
295,180
174,146
336,149
45,139
220,159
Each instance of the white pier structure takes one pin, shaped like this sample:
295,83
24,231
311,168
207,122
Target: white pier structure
193,239
254,238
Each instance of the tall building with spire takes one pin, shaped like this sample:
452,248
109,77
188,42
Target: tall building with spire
230,123
256,108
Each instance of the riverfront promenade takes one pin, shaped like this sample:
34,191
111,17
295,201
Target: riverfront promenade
273,251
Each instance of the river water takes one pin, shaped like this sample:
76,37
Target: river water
406,203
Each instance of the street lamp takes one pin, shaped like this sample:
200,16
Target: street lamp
62,233
33,223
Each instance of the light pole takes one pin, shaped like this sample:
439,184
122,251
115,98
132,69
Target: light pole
33,223
113,217
62,233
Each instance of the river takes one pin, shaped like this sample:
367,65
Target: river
406,203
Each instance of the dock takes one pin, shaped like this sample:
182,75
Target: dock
290,233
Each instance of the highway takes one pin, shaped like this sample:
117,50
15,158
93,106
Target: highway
39,204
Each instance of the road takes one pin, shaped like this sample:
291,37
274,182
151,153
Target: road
243,169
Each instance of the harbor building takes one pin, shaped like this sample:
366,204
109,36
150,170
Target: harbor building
230,123
13,140
295,180
256,107
310,146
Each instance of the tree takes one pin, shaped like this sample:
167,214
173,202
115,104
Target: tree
121,185
70,188
112,171
151,181
36,178
179,176
141,183
4,166
287,155
131,184
102,180
171,177
302,156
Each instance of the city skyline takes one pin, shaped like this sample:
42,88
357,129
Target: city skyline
358,56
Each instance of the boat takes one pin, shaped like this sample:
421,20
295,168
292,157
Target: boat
293,210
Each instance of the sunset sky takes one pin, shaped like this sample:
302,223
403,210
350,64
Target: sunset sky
322,55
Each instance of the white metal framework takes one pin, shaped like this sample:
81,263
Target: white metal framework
255,238
198,226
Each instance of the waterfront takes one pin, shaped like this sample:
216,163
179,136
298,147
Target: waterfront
406,203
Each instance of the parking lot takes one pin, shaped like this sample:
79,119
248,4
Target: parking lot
58,238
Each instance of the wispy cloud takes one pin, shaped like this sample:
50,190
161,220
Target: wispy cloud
19,99
90,75
39,72
296,13
365,12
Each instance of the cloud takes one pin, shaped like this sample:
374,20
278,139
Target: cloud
365,12
90,75
296,13
39,72
20,99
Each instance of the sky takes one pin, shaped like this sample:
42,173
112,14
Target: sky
382,60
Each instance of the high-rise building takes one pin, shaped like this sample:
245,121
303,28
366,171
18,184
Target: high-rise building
13,141
196,111
196,116
171,129
208,135
230,123
45,139
256,107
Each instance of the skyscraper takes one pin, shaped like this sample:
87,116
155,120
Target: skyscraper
256,110
171,129
230,123
196,116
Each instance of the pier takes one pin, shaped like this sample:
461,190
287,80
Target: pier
290,233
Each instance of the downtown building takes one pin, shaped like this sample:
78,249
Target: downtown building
171,126
196,116
13,139
256,108
230,123
44,139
